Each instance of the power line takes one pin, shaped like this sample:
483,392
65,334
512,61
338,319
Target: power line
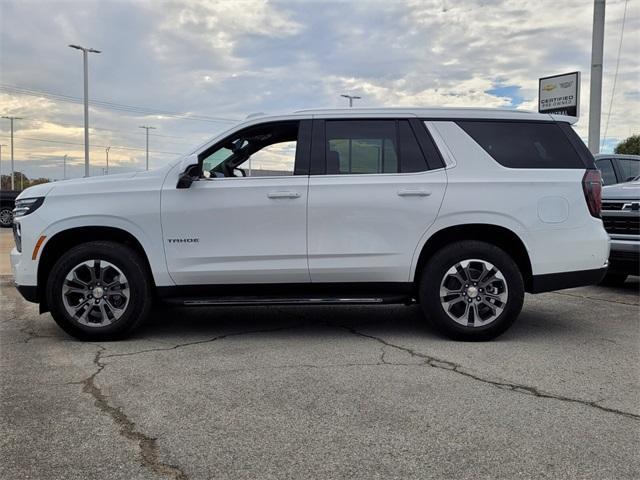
615,76
114,106
133,132
115,147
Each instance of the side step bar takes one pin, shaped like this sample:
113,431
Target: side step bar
238,301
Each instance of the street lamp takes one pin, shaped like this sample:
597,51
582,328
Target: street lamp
1,145
13,174
85,60
64,167
107,152
147,129
351,99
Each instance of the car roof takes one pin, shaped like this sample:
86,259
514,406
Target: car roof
616,155
436,113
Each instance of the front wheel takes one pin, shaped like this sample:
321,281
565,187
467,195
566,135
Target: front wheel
471,290
6,217
99,291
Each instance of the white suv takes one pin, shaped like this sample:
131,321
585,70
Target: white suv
460,210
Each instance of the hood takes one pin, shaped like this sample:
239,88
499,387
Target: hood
45,188
36,191
622,191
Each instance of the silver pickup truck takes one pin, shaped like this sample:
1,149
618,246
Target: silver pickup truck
621,217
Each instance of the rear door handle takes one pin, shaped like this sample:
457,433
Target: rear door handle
283,195
413,192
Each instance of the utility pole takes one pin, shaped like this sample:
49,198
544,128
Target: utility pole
85,60
147,128
107,152
351,99
595,95
64,167
13,173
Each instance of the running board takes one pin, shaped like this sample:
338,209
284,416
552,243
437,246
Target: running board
238,301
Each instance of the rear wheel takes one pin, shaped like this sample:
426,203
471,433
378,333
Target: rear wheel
6,217
613,279
99,291
471,290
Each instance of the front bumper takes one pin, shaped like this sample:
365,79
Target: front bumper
24,275
625,255
28,292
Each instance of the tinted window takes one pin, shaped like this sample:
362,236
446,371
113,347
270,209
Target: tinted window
629,168
608,174
361,147
411,158
372,146
524,144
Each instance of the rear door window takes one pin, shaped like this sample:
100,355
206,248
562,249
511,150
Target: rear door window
524,144
372,147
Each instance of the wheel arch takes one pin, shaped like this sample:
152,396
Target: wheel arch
499,236
66,239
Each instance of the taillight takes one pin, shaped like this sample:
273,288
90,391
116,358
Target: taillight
592,186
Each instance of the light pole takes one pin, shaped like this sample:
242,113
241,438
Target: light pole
64,167
351,99
1,145
13,174
595,94
107,152
147,128
85,60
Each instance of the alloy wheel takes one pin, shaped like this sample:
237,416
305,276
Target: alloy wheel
6,217
95,293
473,292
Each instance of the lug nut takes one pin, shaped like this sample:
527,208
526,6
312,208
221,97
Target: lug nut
478,298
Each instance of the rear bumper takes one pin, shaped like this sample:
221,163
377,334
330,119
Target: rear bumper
559,281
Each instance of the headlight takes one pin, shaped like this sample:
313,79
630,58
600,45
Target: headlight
25,206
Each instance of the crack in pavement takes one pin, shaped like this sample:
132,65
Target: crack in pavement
595,299
148,445
514,387
207,340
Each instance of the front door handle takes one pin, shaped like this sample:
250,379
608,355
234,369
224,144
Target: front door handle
283,195
413,192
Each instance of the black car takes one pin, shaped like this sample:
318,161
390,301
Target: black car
7,203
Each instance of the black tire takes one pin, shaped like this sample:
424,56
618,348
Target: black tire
6,217
138,280
436,269
612,279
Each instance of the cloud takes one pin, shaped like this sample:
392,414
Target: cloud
232,58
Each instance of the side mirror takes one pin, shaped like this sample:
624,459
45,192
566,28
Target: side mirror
189,172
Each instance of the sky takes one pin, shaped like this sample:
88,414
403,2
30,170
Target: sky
193,68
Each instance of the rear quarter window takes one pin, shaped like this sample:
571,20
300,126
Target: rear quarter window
524,144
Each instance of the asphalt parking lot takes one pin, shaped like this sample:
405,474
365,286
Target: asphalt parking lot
326,392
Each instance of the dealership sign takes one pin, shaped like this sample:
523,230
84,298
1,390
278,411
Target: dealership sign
560,94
